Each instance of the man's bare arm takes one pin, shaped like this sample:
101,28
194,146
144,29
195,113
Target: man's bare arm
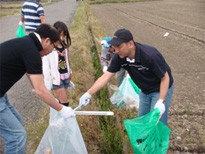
40,89
164,86
101,82
43,19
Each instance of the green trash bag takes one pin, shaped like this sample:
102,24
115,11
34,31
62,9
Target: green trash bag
136,88
147,135
20,31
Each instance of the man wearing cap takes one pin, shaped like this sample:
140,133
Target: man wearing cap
106,56
20,56
147,68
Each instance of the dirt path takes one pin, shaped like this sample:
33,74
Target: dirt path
26,102
183,48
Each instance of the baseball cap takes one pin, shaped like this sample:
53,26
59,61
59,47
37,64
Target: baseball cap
121,36
104,42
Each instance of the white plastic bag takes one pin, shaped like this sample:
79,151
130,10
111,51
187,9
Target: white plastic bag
127,94
62,136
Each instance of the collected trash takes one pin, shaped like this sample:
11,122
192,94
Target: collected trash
113,87
147,134
166,34
127,94
63,136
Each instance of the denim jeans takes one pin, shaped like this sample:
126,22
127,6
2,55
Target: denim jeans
11,128
148,101
63,84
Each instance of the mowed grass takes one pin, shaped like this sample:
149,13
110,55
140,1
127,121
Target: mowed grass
10,8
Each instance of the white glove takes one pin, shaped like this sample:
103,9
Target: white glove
67,112
20,23
85,99
160,105
104,69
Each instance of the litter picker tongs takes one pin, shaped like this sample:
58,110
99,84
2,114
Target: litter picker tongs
100,113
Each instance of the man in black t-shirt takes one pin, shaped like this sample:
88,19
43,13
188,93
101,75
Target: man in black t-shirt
17,57
147,68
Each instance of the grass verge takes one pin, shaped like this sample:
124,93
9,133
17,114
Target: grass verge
14,7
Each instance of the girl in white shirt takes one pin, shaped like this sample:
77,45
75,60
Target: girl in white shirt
56,66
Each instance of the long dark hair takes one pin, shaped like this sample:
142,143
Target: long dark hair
61,27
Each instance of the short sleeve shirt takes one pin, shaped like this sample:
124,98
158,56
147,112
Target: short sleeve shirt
146,70
18,56
32,10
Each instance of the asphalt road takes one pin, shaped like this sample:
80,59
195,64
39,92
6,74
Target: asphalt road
184,50
21,95
62,11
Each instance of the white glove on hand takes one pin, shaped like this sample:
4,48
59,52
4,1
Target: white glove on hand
160,105
20,23
104,69
67,112
85,99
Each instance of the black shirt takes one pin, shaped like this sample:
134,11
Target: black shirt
146,70
18,56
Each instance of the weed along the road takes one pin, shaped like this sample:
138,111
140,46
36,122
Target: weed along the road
101,134
112,136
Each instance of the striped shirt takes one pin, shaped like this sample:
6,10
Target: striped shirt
32,10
